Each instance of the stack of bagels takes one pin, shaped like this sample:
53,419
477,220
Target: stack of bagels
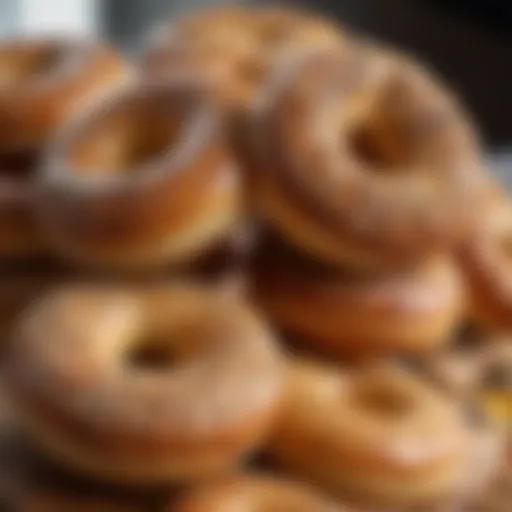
263,268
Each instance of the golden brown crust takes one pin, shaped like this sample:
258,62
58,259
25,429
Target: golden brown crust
363,160
21,283
29,483
413,311
145,180
258,493
497,498
381,436
485,261
85,403
236,47
44,81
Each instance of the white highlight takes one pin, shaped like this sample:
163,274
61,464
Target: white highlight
77,17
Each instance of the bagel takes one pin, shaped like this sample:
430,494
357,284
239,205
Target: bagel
43,81
413,311
485,260
144,180
379,435
363,161
235,48
91,375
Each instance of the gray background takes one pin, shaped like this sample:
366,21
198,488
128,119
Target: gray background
8,16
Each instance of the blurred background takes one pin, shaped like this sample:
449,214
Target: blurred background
468,41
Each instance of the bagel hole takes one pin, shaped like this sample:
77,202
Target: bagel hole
366,149
380,152
385,401
19,66
152,354
469,337
127,139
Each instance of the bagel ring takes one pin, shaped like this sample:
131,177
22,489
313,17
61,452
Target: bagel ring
380,436
144,180
411,311
42,82
485,261
362,160
236,47
144,386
